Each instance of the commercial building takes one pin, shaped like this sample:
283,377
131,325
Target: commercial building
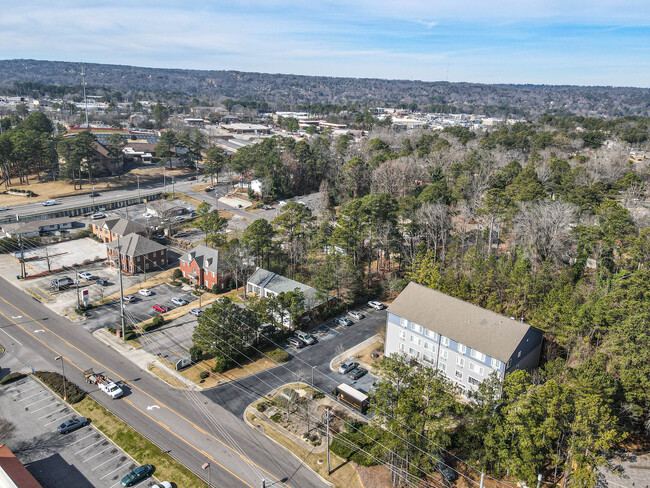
136,254
203,266
35,228
465,342
107,230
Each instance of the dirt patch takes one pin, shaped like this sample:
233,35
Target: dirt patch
366,355
201,186
374,476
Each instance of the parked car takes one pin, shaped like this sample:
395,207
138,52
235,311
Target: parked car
162,484
267,207
159,308
209,188
130,298
376,305
356,315
347,366
62,282
147,215
102,282
71,425
343,321
192,178
305,337
295,342
179,218
196,312
179,301
145,292
138,474
86,275
97,216
357,373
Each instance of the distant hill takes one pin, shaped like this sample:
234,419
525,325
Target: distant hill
280,90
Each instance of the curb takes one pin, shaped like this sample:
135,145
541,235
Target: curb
353,350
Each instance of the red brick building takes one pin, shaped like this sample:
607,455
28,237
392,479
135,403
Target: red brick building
203,266
107,230
137,254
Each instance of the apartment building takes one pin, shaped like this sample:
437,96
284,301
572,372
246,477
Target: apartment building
465,342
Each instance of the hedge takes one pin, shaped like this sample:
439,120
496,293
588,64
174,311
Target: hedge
11,377
156,322
55,382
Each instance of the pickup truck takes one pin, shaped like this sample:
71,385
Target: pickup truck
104,383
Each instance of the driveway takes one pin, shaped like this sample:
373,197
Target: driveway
78,459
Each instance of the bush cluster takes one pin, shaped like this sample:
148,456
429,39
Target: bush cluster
279,356
54,381
11,377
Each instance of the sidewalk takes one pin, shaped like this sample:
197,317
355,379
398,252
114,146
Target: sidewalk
140,357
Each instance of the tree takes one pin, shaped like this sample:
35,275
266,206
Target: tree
213,226
259,238
116,143
160,115
165,147
526,187
239,259
215,162
294,224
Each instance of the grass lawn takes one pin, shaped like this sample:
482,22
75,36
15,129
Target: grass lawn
343,473
137,446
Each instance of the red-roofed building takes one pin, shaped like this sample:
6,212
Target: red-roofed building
12,471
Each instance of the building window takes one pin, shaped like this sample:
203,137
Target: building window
427,345
462,348
414,353
476,368
444,354
477,355
496,364
402,334
403,322
458,374
428,359
444,341
460,362
442,367
473,381
431,334
400,346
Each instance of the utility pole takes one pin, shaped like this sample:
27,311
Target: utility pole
312,375
164,181
482,485
93,195
327,419
119,264
139,197
22,258
83,77
65,391
76,281
173,181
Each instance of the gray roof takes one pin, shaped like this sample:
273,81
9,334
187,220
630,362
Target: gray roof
206,258
136,245
34,225
486,331
279,284
125,227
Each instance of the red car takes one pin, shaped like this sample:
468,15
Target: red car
159,308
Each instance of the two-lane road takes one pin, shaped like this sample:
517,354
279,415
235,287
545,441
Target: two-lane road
189,425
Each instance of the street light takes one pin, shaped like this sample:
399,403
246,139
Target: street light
65,392
207,466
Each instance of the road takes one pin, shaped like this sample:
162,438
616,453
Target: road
186,423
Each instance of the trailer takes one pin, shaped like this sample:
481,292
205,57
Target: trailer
351,397
104,383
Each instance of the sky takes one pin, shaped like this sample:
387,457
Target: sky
576,42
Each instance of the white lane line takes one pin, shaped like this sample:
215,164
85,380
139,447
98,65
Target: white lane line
48,397
39,409
108,474
12,338
50,413
30,396
57,420
25,391
78,440
100,452
100,465
99,441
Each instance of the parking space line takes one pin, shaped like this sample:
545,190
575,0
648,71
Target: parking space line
100,465
108,474
99,441
39,409
25,391
56,420
78,440
48,414
100,452
30,396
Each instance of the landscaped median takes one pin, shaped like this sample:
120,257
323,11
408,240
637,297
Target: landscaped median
128,439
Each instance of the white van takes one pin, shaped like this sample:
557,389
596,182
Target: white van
49,203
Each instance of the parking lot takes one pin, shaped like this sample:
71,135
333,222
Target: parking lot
30,415
141,309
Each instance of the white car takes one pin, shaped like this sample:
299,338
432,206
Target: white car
376,305
86,276
162,484
147,215
97,216
305,337
179,301
145,292
196,312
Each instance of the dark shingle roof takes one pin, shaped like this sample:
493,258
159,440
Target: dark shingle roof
206,258
486,331
136,245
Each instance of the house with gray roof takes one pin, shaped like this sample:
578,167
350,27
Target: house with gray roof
136,254
204,266
465,342
266,283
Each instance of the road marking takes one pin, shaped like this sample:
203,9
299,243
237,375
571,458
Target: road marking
134,387
108,474
39,401
54,411
37,331
39,409
30,396
95,455
80,450
99,465
16,316
151,407
12,338
79,440
60,418
25,391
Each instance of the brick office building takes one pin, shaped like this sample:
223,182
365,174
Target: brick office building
137,255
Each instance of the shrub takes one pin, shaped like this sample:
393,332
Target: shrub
178,274
261,407
276,417
221,364
196,352
279,356
11,377
55,382
345,450
203,375
156,322
130,335
318,394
